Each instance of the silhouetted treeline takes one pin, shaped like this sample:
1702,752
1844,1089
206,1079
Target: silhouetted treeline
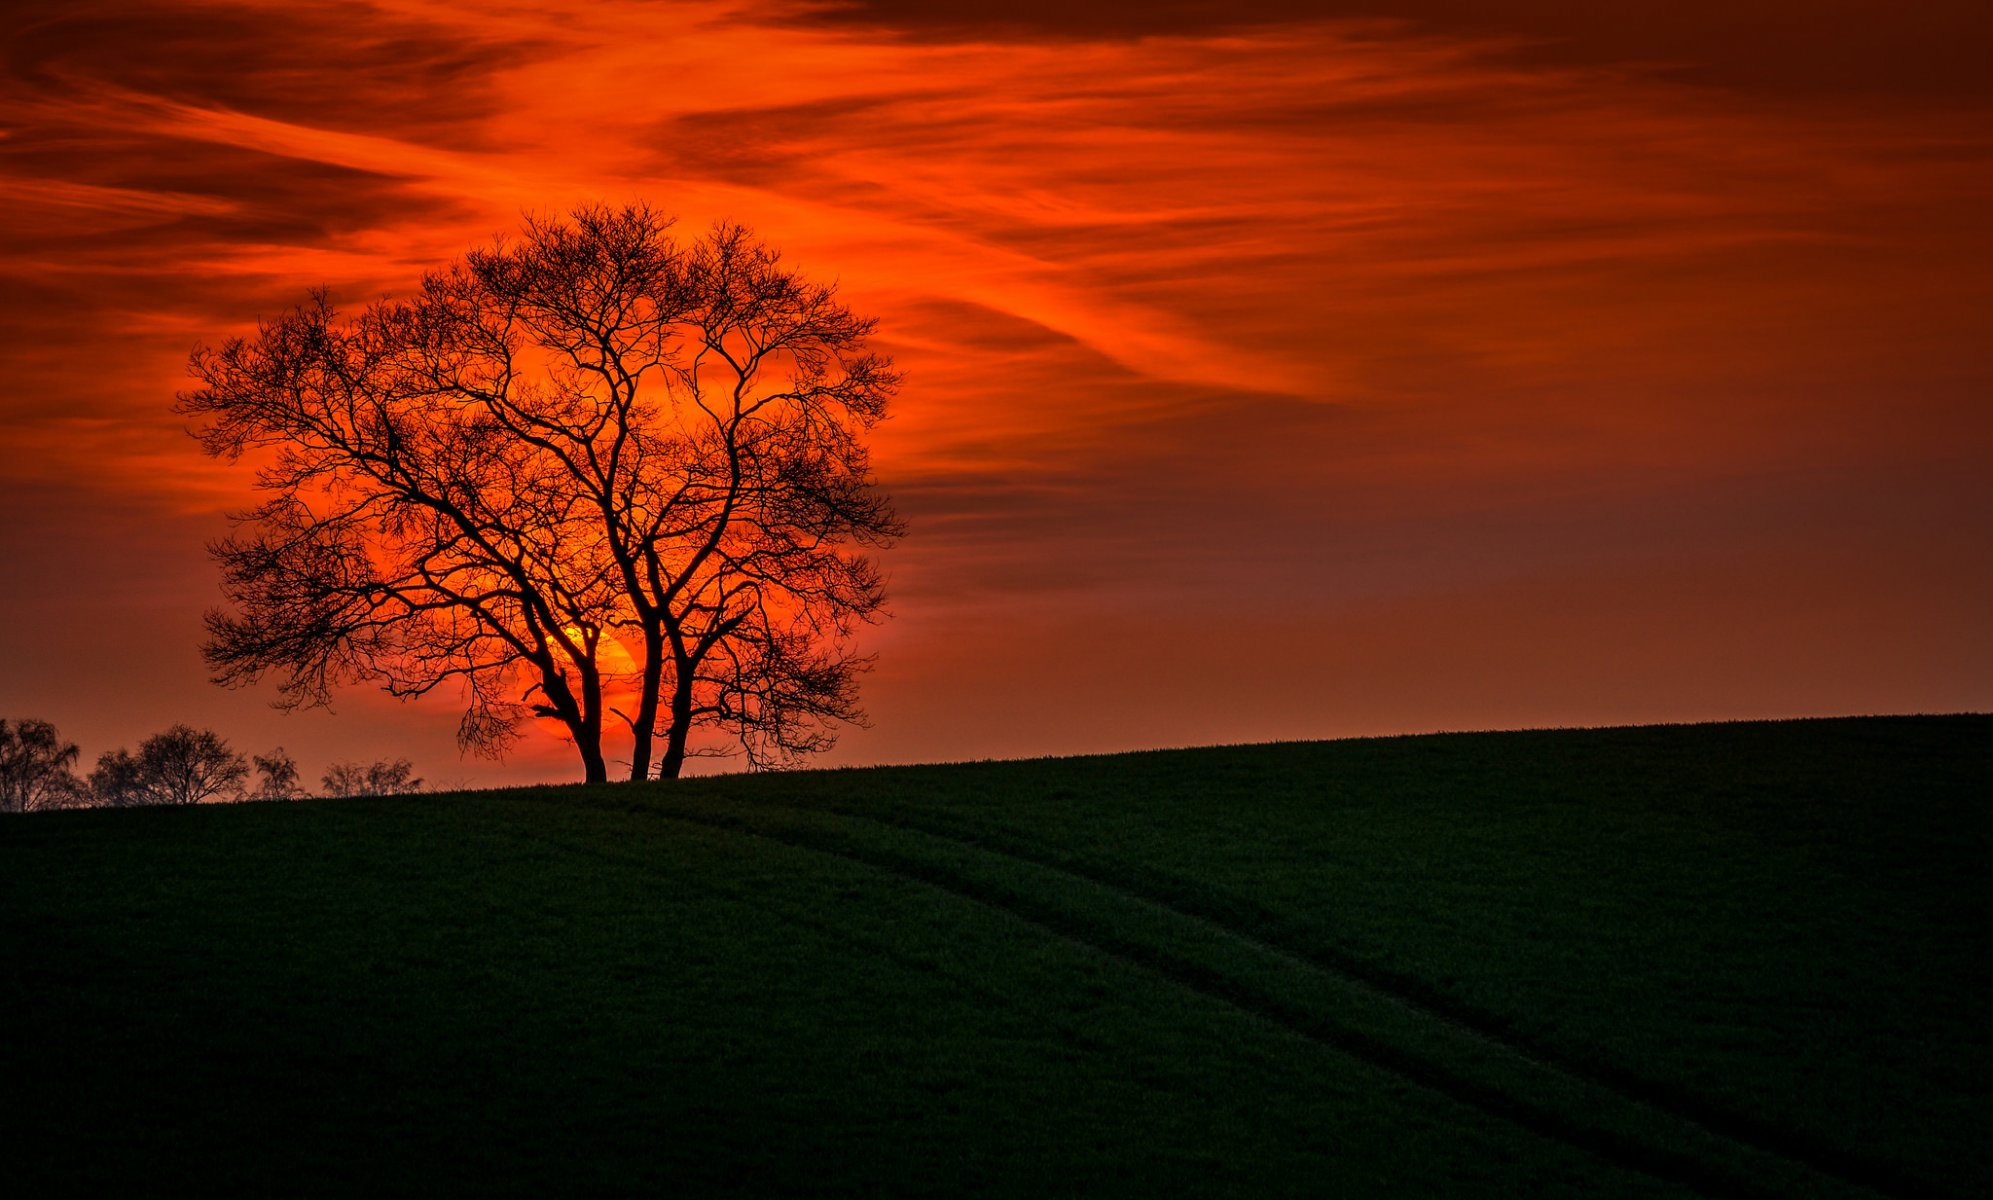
181,765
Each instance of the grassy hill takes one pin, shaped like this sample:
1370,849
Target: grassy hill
1732,960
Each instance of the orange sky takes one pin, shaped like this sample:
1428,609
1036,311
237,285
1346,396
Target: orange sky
1276,369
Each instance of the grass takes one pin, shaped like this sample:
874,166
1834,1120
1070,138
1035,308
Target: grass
1739,959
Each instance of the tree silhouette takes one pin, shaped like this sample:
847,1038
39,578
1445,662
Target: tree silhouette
593,473
35,767
183,765
382,778
277,776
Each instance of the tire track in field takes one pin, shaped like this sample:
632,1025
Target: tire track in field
758,902
1666,1165
1754,1134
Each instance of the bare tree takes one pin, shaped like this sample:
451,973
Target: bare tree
183,765
592,474
118,781
382,778
277,776
36,767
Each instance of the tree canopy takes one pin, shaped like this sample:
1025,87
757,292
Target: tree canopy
35,767
182,765
596,475
382,778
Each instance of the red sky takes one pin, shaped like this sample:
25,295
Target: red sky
1276,369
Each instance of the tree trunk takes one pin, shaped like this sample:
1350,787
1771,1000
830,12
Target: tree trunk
588,736
594,769
586,732
680,732
645,728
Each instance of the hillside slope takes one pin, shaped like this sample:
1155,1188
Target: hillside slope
1730,960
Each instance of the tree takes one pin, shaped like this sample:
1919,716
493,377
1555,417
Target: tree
591,474
277,775
118,781
36,767
183,765
187,766
383,778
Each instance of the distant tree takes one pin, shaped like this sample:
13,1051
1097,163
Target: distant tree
118,781
382,778
183,765
277,777
591,463
36,767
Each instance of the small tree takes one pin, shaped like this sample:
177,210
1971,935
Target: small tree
118,781
382,778
183,765
277,778
36,767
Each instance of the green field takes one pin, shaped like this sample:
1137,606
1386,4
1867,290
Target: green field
1731,960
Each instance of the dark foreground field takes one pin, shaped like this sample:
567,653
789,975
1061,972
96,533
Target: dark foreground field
1727,960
